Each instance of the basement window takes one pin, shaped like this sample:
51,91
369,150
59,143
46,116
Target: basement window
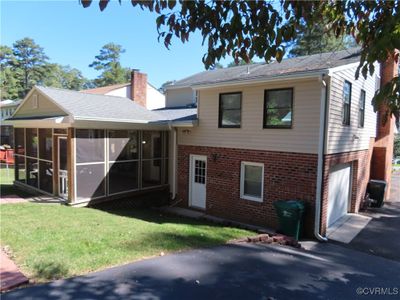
252,181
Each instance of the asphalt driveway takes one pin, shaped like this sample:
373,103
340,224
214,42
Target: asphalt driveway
244,271
382,234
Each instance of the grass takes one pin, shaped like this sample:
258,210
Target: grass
50,241
6,183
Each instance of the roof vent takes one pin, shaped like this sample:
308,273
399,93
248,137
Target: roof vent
248,69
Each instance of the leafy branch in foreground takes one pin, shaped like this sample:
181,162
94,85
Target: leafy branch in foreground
264,29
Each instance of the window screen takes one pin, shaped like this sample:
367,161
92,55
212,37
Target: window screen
361,110
252,178
346,102
151,173
278,108
20,171
230,110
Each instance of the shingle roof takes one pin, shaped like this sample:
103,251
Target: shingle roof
92,106
178,114
289,66
105,89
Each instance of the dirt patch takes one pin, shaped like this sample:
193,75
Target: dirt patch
8,199
269,239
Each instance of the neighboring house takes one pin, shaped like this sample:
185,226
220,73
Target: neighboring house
138,89
230,142
7,108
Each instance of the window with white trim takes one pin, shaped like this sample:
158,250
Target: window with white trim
361,109
252,181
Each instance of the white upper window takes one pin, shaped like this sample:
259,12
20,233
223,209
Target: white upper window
252,181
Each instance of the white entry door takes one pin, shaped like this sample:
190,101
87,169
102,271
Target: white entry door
339,192
198,178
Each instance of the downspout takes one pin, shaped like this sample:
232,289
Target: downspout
321,151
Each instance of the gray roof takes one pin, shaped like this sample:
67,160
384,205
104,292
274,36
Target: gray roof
178,114
288,66
93,106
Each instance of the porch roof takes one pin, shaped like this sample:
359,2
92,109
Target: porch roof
82,108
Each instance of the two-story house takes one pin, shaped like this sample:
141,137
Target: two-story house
228,142
300,129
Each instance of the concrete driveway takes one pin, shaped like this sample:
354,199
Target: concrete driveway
382,234
324,271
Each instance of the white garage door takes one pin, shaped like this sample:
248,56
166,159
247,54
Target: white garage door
339,192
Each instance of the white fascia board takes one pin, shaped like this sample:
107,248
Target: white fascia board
101,124
58,122
298,76
193,123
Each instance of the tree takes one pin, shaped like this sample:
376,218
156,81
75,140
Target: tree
247,29
163,87
65,77
314,39
108,61
30,64
8,81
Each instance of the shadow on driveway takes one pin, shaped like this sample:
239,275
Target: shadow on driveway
381,235
231,272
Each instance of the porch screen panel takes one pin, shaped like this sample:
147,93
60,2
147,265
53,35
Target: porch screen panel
90,164
46,176
90,181
154,158
31,142
123,174
20,169
32,172
45,144
19,141
89,145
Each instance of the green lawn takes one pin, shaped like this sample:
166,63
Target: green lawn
50,241
6,183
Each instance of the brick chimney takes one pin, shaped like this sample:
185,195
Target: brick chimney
381,165
139,87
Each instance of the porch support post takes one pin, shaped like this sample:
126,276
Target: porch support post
70,165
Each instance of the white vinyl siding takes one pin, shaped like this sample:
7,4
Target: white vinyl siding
44,108
342,138
302,137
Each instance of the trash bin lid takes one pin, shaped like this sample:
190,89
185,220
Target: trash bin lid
290,204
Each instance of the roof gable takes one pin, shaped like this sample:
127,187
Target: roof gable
44,106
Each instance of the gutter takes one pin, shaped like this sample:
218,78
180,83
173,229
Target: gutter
321,151
261,79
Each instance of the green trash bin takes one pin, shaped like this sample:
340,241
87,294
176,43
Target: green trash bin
290,216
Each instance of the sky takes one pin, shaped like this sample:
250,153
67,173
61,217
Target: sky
73,35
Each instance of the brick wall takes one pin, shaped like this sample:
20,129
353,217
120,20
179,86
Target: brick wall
139,87
360,162
286,176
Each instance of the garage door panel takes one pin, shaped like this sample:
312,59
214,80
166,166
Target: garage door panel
338,192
